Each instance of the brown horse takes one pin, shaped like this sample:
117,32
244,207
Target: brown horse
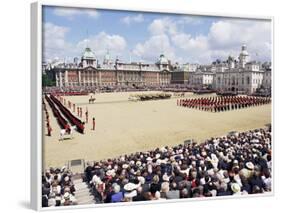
91,100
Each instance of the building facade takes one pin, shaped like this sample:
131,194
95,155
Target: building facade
240,76
200,79
90,73
236,75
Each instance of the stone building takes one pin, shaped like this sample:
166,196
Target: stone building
182,73
91,73
239,76
201,79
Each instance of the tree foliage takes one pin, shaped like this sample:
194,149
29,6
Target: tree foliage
47,81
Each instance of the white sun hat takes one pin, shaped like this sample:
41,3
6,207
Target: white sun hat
250,165
235,187
130,187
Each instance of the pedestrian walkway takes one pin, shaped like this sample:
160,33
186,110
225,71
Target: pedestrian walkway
82,193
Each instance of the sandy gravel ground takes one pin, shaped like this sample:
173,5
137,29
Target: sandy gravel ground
124,127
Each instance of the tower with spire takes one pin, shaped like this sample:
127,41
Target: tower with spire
243,57
107,58
88,57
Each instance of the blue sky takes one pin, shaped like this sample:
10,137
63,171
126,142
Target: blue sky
144,36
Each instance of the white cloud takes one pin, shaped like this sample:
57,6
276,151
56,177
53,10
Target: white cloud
92,13
230,34
54,42
70,13
153,47
172,38
101,42
225,37
195,48
132,19
171,26
161,26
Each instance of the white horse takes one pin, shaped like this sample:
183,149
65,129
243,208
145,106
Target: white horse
63,133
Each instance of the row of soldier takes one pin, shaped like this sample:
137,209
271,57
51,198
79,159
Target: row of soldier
79,111
223,103
49,128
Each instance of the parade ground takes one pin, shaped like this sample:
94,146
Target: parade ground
124,127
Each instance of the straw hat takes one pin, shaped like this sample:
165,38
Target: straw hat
130,187
250,165
66,195
138,163
125,166
235,187
110,173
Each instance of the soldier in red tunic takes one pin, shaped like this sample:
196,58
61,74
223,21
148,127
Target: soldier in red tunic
67,128
49,130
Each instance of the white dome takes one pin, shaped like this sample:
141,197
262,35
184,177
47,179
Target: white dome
163,60
88,54
244,51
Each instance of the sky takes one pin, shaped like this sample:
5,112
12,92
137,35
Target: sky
143,36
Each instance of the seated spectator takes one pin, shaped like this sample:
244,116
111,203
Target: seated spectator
117,196
230,165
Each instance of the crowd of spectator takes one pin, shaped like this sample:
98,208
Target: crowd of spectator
232,165
237,164
119,88
57,188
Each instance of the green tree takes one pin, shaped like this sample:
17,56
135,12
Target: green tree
47,82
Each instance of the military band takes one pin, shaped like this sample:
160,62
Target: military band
223,103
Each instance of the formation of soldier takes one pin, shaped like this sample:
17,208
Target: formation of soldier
49,128
223,103
72,106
